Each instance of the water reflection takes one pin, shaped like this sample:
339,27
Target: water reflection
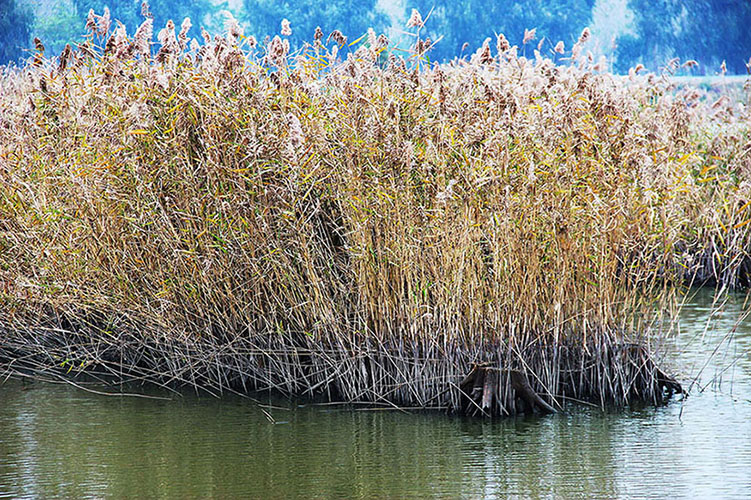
59,441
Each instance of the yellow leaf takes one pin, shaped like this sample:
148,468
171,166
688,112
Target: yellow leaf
354,42
706,169
702,181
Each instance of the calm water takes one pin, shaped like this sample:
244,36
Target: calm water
57,441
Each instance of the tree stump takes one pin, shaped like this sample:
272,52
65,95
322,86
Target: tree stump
483,393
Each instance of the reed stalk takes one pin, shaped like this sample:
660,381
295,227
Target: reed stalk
370,227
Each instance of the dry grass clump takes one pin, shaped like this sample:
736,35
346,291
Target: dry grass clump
235,216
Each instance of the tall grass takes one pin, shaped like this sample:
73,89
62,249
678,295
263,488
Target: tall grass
369,226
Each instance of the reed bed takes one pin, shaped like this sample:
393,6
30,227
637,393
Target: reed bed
492,235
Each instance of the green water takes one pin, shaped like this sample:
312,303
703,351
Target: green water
58,441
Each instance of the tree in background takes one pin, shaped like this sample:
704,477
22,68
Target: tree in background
708,31
351,17
56,26
648,31
472,21
57,22
14,31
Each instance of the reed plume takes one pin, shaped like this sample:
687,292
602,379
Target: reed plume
529,35
415,20
286,29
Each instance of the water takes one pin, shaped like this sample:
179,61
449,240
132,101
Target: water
58,441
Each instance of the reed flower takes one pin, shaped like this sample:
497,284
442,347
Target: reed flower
183,36
560,47
422,45
39,56
382,42
109,47
415,20
501,44
286,29
673,64
277,51
483,55
103,22
166,35
38,45
232,27
690,64
529,35
585,35
168,41
65,57
338,38
91,21
141,43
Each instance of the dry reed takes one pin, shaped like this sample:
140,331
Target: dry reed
493,235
